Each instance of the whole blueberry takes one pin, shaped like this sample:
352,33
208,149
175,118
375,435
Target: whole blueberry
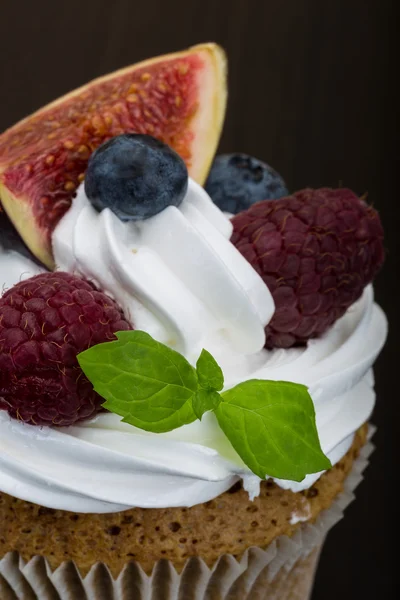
136,176
236,181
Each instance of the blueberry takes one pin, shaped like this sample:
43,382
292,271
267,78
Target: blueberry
11,240
136,176
236,181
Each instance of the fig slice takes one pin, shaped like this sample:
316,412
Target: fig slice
179,98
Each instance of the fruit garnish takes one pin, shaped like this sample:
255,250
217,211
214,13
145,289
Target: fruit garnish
45,321
270,424
236,181
136,176
316,251
10,239
178,98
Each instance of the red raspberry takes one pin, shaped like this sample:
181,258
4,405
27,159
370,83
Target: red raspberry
316,250
45,322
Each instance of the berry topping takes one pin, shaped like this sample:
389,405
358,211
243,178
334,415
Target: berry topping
45,322
236,181
136,176
316,250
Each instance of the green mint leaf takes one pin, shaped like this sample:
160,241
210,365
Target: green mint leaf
142,380
271,425
205,400
209,372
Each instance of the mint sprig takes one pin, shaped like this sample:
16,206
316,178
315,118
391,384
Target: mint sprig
270,424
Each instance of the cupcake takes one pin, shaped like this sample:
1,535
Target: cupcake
186,349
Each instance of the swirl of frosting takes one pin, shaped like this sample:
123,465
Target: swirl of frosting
179,278
176,275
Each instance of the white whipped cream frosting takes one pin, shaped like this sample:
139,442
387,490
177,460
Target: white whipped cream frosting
176,275
179,278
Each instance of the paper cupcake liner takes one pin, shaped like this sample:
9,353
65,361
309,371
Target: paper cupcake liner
283,571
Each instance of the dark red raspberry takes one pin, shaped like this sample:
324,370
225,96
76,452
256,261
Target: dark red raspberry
45,322
316,250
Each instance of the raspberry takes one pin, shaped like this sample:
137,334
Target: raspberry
316,251
45,322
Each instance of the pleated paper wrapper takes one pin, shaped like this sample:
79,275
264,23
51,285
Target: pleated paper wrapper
283,571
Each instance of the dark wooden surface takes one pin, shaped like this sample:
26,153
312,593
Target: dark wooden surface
310,93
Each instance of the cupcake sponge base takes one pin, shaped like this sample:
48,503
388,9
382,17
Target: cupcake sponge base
229,524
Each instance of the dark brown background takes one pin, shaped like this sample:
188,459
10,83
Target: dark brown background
310,93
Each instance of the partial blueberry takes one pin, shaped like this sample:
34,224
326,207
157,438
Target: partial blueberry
11,240
136,176
236,181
